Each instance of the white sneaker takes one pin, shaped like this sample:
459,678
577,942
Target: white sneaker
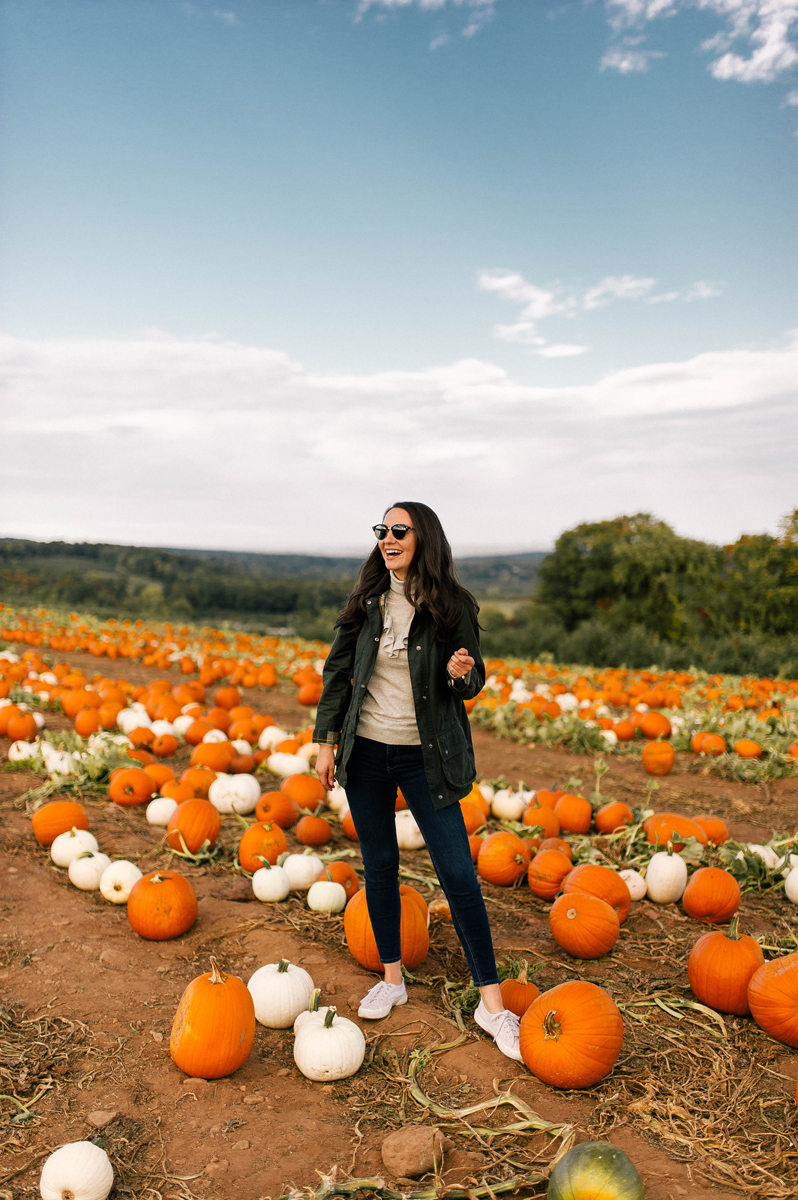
381,999
502,1027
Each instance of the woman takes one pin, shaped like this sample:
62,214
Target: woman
405,657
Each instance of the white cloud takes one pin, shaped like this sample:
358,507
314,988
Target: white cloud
439,41
791,99
205,441
478,12
539,304
764,31
628,57
229,18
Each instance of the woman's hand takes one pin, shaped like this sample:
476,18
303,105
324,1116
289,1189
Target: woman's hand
325,767
459,664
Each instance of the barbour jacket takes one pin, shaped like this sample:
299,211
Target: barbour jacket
443,727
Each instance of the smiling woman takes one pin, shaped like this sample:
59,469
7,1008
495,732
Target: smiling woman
405,658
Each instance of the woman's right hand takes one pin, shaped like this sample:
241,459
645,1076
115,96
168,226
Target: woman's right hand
325,767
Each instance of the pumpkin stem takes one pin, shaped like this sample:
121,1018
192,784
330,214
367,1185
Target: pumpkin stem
522,976
283,966
217,975
315,996
329,876
551,1028
572,914
329,1016
733,934
263,860
157,879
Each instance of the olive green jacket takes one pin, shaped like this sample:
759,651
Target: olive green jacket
440,713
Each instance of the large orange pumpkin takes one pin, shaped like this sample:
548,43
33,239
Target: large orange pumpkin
546,873
307,790
599,881
613,815
131,787
313,830
721,966
773,999
654,725
503,858
711,895
278,807
199,779
583,925
574,814
360,935
193,825
23,727
214,1026
215,755
571,1036
658,758
59,816
542,817
261,841
161,905
519,993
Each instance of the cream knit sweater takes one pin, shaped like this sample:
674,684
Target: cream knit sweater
388,713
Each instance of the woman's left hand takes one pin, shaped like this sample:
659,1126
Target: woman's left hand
460,663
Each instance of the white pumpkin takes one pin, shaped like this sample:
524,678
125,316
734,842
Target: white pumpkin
68,845
234,793
133,718
768,855
160,810
280,991
325,895
287,764
302,869
309,750
271,884
87,869
791,885
77,1171
666,878
117,880
635,883
610,736
39,717
336,799
241,747
58,762
270,737
313,1012
330,1049
508,806
215,735
159,728
408,834
487,791
182,724
22,751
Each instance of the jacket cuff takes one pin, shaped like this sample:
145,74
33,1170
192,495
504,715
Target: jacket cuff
326,737
456,684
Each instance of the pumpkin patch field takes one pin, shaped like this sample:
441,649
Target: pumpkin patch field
184,939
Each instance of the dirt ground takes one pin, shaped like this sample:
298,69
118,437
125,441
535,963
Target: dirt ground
87,1007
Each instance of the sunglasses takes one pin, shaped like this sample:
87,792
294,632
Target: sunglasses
398,531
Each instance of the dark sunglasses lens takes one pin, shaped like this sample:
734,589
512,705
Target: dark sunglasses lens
399,531
380,531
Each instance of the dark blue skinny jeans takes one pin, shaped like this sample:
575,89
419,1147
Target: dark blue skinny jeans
374,772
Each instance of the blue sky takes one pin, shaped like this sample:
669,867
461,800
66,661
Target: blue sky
532,262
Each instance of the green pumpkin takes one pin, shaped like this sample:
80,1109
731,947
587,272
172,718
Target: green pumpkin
595,1171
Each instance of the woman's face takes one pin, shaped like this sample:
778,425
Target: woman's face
398,555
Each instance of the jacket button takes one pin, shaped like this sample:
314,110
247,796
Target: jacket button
376,639
423,697
368,602
362,685
440,797
430,745
418,648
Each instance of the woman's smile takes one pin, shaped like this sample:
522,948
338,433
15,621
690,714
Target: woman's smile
397,554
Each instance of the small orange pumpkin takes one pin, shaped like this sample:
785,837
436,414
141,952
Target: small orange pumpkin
193,825
503,858
161,906
574,814
583,925
519,993
214,1026
546,873
711,895
59,816
658,758
261,841
131,786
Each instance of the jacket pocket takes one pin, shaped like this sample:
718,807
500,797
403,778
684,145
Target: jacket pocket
457,757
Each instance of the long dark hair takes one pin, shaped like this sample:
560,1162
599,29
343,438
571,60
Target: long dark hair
431,583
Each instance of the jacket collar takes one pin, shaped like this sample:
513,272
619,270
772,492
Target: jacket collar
382,585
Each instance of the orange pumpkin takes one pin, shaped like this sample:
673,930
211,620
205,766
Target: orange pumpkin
711,895
583,925
613,815
258,842
599,881
658,758
161,906
164,745
178,791
278,807
473,817
193,825
503,858
662,828
624,731
556,843
548,797
196,732
218,718
7,712
59,816
131,786
519,993
720,968
312,830
217,756
571,1036
713,744
160,775
227,697
542,817
348,827
546,873
199,779
360,935
214,1026
475,845
307,790
87,722
773,998
747,748
655,725
716,829
574,814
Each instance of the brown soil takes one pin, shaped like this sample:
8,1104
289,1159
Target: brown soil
87,1008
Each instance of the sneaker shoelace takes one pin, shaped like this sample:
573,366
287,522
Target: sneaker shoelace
509,1021
381,991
